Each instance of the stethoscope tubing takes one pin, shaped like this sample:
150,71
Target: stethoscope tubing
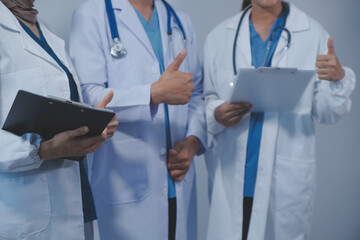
169,10
282,28
112,20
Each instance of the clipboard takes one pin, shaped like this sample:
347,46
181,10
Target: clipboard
270,89
48,116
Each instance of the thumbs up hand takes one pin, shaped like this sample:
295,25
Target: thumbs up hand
173,87
328,66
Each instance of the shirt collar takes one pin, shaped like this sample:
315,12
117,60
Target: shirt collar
297,20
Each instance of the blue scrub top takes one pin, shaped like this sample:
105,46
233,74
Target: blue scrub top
258,51
153,32
86,193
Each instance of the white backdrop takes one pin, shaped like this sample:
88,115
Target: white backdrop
337,207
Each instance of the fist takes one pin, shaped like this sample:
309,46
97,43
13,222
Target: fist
328,66
173,87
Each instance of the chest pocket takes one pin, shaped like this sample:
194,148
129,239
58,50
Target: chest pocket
30,80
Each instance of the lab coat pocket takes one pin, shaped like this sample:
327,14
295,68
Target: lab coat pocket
127,180
24,205
293,188
29,80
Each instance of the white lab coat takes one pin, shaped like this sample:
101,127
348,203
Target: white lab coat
129,177
285,186
38,200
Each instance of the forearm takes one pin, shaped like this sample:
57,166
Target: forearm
332,99
130,105
197,123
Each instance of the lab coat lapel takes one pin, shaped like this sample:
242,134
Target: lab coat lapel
163,29
243,46
9,21
280,58
34,48
56,44
125,12
297,21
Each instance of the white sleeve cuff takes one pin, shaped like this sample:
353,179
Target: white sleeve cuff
214,127
345,86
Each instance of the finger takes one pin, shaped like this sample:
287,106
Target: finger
324,77
325,71
177,175
179,178
235,107
323,58
322,64
239,112
107,99
331,47
177,148
178,166
111,129
233,121
244,104
175,65
176,159
113,123
231,109
173,152
77,132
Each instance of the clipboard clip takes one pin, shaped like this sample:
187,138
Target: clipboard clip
69,101
291,69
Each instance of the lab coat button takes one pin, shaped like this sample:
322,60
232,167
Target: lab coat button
154,70
165,191
163,151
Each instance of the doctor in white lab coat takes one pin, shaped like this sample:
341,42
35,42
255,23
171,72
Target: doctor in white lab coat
130,172
285,180
40,190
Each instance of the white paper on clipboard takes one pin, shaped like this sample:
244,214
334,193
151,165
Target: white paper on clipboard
270,89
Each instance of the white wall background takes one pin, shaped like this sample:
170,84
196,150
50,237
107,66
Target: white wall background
337,208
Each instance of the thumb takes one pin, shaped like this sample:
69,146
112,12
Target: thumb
331,48
177,148
173,152
105,101
175,65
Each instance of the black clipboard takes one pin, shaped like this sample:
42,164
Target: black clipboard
48,116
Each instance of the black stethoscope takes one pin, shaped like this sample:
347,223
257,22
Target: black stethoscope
118,48
286,12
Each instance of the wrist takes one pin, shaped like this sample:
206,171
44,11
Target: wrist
194,141
341,74
155,94
216,114
45,151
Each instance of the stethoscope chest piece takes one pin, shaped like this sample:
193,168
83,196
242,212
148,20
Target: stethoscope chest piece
118,49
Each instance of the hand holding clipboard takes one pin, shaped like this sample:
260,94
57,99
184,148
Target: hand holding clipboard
68,128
